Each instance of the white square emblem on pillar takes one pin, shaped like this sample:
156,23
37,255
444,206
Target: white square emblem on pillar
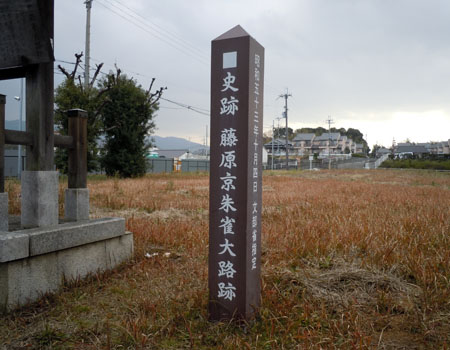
230,60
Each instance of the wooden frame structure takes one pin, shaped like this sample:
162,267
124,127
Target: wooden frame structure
26,51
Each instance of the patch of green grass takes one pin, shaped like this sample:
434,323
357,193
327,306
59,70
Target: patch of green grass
49,336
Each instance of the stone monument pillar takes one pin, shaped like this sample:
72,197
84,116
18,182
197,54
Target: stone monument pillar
237,81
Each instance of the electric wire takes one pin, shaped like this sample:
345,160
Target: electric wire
199,59
180,104
192,108
171,36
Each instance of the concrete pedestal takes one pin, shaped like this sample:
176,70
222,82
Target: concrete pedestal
39,198
4,211
76,204
37,261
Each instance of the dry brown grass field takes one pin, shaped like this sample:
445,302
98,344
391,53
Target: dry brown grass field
350,260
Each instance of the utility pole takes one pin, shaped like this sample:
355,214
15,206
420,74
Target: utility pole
285,115
21,99
87,50
273,138
278,139
329,121
19,148
206,141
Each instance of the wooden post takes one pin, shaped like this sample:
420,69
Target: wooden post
78,153
39,104
2,143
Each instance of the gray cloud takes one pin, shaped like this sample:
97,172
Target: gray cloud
358,60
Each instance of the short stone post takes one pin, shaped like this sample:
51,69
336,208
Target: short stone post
77,195
3,194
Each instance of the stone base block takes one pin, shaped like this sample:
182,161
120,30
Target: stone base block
31,268
4,212
76,204
39,198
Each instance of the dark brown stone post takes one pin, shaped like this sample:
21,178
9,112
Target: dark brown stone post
237,68
78,153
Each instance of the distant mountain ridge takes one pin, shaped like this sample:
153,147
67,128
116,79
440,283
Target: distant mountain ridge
172,142
164,143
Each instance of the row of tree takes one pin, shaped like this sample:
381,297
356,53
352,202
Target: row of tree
120,117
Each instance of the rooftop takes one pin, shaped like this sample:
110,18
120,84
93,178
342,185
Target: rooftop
171,153
326,136
304,137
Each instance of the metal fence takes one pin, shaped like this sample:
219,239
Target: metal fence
352,163
11,166
10,162
160,165
194,165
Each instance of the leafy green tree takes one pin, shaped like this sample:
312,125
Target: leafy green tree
375,150
72,94
281,133
127,117
317,131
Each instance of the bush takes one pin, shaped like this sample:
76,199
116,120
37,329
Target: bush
417,164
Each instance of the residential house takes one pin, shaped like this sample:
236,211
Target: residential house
382,151
439,147
303,142
417,149
177,154
405,149
358,148
279,147
327,143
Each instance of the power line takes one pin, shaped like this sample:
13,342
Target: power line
161,30
198,110
67,62
123,69
192,108
146,29
165,107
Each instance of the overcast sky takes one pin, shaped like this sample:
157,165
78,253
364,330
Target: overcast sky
382,66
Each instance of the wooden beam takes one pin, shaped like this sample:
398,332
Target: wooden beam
14,137
63,141
12,73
